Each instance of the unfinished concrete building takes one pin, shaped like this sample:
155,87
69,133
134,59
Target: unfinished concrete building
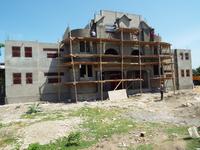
115,51
32,72
183,69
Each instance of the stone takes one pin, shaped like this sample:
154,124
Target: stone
142,134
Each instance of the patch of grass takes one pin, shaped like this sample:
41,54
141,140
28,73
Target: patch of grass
33,115
179,130
98,123
7,140
73,142
34,108
1,125
103,123
42,116
145,147
182,131
192,144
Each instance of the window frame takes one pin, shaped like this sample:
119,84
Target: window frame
53,80
28,52
16,51
182,73
29,78
84,47
182,56
88,70
52,55
186,56
17,78
188,73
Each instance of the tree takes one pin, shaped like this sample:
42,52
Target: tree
2,45
196,71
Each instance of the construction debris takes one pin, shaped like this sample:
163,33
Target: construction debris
193,131
117,94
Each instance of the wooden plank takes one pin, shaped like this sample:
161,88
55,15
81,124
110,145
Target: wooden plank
115,56
102,81
118,41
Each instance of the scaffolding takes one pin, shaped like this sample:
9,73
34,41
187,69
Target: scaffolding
120,60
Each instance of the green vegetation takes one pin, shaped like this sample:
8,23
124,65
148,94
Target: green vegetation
179,130
73,142
192,144
2,45
33,109
196,71
101,123
98,124
182,133
1,125
73,139
42,116
6,139
145,147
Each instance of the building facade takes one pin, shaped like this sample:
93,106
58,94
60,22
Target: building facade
183,68
31,72
114,51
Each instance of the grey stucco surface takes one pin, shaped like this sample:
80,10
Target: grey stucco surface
38,64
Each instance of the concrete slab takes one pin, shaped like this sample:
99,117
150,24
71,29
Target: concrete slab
117,94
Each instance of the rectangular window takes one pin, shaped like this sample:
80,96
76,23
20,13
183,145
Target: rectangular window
53,74
188,73
181,55
84,46
83,71
87,46
186,56
86,71
89,70
28,51
54,80
52,55
29,78
16,78
156,69
182,73
15,51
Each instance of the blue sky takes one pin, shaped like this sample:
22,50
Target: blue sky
177,21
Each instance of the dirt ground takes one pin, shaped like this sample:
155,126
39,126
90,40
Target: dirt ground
181,108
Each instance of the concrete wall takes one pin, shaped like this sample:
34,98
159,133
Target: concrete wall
38,64
183,64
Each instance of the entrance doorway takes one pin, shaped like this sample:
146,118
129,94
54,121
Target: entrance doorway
111,75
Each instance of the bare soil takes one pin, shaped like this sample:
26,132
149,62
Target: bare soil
181,108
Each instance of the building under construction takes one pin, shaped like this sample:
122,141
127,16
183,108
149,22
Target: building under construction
114,51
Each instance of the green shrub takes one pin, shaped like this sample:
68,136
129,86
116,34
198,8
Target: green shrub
35,146
1,125
33,109
73,139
